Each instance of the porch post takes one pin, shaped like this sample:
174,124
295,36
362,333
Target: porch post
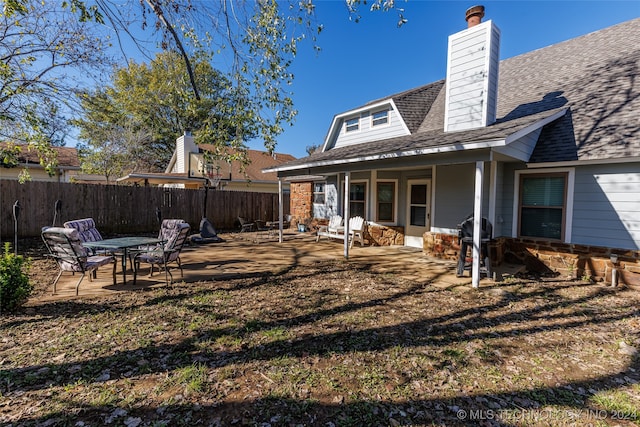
493,191
347,176
477,221
280,210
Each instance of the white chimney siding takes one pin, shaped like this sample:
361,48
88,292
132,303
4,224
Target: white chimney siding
472,77
184,145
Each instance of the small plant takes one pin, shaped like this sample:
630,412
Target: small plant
15,288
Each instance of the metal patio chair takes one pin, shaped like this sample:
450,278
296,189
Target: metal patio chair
65,246
175,237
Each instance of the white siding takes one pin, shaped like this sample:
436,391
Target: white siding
472,77
366,132
522,148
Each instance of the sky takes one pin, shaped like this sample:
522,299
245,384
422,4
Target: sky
373,58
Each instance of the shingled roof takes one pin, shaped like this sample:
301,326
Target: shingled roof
588,87
67,156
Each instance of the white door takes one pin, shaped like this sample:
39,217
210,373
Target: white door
418,208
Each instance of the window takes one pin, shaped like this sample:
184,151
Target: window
543,205
380,118
318,192
351,125
357,199
385,196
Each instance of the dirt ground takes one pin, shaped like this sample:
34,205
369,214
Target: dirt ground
327,342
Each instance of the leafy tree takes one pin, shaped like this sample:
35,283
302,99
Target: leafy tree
137,118
41,45
256,40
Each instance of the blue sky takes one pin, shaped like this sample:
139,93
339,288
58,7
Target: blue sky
374,58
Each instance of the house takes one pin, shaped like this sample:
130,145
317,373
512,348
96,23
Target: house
544,145
67,169
189,169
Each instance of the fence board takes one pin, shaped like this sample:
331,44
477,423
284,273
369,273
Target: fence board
125,209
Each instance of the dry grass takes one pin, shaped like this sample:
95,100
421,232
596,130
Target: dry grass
326,345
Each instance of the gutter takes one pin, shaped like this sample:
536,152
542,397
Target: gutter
397,154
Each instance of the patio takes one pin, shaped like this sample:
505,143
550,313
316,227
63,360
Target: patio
258,253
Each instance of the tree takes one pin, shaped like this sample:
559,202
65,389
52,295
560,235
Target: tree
138,117
39,49
312,148
258,40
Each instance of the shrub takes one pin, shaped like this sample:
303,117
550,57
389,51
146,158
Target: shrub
14,281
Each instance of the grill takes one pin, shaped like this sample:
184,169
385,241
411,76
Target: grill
465,237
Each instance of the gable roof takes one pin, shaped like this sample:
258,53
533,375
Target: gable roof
413,105
584,92
67,156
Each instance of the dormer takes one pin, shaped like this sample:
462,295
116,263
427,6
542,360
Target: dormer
472,74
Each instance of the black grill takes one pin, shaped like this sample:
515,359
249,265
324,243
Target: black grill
465,236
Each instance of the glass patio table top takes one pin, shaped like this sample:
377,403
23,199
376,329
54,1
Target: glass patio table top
124,243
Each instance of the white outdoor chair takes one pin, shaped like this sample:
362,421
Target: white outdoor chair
356,230
332,229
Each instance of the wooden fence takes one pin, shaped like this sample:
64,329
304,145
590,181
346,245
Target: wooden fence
125,209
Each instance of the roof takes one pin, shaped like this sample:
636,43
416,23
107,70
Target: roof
67,156
584,91
253,171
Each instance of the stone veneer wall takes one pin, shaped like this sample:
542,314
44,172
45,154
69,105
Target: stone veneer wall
301,202
382,235
547,257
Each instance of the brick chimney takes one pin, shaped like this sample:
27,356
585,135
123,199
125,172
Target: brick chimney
474,15
472,74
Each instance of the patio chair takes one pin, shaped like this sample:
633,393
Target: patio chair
245,225
87,231
65,246
331,229
176,237
356,230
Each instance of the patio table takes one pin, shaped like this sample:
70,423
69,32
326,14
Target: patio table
124,244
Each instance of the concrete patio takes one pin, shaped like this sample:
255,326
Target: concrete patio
256,254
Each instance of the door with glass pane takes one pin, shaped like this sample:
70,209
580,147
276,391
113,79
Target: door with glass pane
418,209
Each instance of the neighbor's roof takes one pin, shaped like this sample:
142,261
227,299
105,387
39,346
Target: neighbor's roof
253,171
67,156
585,91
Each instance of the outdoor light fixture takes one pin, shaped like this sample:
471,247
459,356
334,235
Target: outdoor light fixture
614,258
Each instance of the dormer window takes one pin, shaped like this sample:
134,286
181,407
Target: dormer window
352,125
380,118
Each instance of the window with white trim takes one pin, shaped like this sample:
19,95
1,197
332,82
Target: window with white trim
319,192
357,199
352,125
542,205
380,118
386,201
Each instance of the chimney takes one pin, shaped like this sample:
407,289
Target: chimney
472,74
474,15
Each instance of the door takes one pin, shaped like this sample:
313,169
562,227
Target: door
418,209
